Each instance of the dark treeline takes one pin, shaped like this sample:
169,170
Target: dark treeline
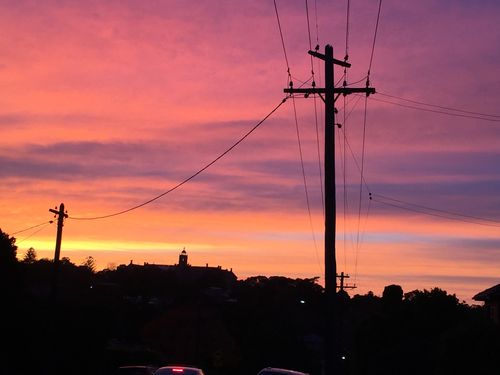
97,321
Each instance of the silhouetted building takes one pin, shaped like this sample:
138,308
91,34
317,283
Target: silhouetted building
491,299
185,272
183,258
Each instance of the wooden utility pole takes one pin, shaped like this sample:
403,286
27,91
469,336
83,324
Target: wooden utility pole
333,353
60,223
344,286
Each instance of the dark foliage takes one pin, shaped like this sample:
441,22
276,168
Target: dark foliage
145,315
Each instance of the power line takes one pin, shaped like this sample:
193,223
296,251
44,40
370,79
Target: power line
32,227
190,177
361,178
315,104
35,232
282,41
362,236
309,30
303,83
318,152
374,40
398,203
310,45
341,150
435,111
316,21
437,212
348,11
305,179
344,124
358,81
437,106
344,114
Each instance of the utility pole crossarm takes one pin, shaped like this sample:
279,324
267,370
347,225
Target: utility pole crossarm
325,58
338,90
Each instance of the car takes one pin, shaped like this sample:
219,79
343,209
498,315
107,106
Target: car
178,370
279,371
136,370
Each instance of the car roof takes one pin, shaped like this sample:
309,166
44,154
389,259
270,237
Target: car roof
136,369
189,369
278,370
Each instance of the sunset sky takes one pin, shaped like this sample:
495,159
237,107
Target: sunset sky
105,105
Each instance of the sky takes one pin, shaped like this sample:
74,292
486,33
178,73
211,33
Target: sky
107,105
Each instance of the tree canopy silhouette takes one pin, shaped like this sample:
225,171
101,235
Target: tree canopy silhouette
8,250
30,257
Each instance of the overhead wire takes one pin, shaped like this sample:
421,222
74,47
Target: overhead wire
361,179
341,152
373,44
316,23
318,152
357,164
422,209
35,232
358,81
364,138
441,109
348,12
290,83
317,33
306,190
434,110
398,203
309,34
302,82
436,105
32,227
313,84
186,180
344,78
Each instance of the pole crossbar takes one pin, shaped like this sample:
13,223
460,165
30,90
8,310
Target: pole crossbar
325,57
337,90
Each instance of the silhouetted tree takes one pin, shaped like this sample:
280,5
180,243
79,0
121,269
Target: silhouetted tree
8,250
65,261
30,257
89,263
143,314
392,294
